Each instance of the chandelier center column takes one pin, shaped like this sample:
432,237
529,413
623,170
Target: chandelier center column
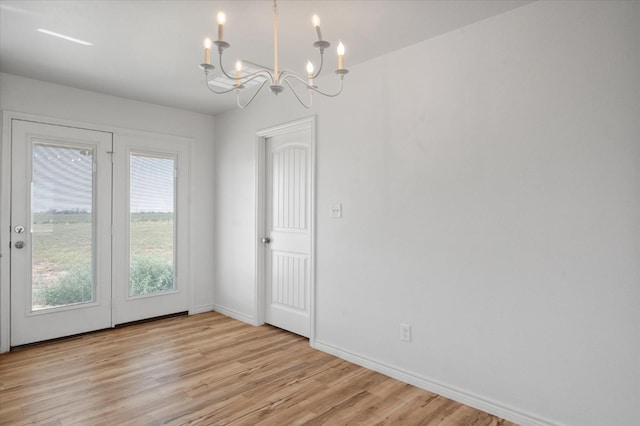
275,43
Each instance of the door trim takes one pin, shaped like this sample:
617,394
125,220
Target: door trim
5,234
261,136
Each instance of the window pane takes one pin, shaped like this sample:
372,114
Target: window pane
152,201
62,226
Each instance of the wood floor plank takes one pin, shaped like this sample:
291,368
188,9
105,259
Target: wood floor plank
207,369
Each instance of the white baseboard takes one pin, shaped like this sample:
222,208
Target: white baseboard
200,309
236,315
467,398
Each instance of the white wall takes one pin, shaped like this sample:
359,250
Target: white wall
490,181
23,95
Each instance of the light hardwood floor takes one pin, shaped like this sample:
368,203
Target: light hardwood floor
207,369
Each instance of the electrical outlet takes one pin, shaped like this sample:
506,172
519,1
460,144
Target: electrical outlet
405,332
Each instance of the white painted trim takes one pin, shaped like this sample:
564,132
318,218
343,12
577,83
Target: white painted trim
260,229
261,135
93,126
194,310
451,392
232,313
312,302
5,235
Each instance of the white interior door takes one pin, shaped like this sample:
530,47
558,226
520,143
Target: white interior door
288,226
151,228
60,231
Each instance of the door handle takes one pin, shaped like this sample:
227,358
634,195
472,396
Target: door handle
266,240
18,244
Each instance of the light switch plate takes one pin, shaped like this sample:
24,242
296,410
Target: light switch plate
336,211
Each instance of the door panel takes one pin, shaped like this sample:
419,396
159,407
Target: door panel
289,280
288,216
60,236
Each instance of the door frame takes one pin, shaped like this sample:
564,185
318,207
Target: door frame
5,234
5,205
260,226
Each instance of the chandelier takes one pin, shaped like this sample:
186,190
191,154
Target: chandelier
276,77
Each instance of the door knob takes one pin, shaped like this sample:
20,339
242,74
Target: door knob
266,240
19,244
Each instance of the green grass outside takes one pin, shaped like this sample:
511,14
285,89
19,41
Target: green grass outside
61,244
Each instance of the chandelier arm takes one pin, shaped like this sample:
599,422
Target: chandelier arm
285,74
240,105
321,64
330,95
222,68
206,83
295,77
255,75
315,89
263,72
298,97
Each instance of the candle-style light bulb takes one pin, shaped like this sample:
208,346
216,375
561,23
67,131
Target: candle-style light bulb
222,18
316,24
310,72
238,72
207,51
340,56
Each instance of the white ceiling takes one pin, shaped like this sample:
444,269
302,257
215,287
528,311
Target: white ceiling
150,50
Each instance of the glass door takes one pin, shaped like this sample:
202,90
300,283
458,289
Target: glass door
60,236
150,228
